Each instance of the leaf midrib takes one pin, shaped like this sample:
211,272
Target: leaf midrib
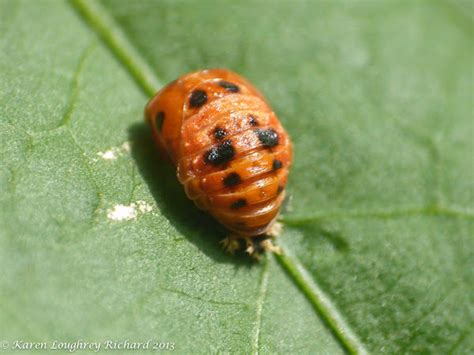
99,19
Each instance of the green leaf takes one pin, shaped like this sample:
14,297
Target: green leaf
99,243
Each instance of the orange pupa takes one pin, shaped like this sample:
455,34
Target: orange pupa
231,153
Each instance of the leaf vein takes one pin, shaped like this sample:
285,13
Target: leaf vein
259,309
452,211
199,298
323,306
90,174
98,18
71,105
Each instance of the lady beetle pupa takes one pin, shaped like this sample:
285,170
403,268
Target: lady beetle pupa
231,153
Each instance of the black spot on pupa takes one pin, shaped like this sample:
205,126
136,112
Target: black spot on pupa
277,164
229,86
232,179
219,133
221,153
197,98
241,202
268,137
280,189
253,120
159,118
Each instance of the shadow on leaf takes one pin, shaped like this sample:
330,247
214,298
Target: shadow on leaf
198,227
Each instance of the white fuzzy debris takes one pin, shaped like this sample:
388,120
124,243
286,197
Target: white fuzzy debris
122,213
114,152
125,213
126,147
108,155
144,207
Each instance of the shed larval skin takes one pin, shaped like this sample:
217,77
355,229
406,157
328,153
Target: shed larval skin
231,153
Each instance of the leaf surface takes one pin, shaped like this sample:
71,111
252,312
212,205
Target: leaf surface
98,241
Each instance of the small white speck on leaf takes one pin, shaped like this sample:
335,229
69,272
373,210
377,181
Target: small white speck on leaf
115,152
125,213
108,155
126,147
